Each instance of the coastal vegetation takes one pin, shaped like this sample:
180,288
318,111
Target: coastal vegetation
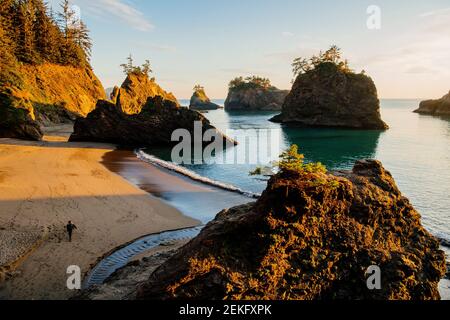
333,55
241,83
44,66
31,33
130,68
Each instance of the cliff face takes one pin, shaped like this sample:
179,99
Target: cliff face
74,89
440,107
200,101
310,236
134,92
130,124
329,97
51,94
254,99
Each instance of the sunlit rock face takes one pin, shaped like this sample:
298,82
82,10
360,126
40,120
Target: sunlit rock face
310,236
136,90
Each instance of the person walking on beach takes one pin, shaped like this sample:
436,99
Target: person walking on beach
70,227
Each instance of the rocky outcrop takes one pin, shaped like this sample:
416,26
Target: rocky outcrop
440,107
17,122
255,99
152,126
74,89
134,92
201,102
328,96
51,94
312,235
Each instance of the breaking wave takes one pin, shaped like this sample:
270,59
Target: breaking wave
192,175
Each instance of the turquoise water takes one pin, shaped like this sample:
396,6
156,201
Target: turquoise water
416,150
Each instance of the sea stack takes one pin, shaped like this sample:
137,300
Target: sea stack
312,235
200,101
143,115
254,94
327,93
439,107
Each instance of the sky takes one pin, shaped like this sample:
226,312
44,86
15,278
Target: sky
210,42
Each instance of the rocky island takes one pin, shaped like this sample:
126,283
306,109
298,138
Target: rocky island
200,101
326,93
439,107
143,115
312,235
254,94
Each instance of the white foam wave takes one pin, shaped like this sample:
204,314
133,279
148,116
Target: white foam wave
190,174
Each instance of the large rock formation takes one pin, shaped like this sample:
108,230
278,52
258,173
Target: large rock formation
127,123
328,96
440,107
201,102
311,235
255,98
51,94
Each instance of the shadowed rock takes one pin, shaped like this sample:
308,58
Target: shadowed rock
440,107
153,126
255,99
143,115
17,122
309,236
330,97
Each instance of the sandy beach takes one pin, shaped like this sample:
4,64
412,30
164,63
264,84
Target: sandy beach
45,184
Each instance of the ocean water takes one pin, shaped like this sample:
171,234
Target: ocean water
416,150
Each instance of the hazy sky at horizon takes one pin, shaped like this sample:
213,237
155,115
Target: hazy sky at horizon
211,41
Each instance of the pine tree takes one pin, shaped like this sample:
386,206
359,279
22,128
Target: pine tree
25,22
82,38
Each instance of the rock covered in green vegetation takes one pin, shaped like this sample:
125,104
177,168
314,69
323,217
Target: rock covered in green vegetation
326,93
312,235
439,107
254,94
200,101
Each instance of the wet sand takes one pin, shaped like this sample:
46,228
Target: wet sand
192,198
